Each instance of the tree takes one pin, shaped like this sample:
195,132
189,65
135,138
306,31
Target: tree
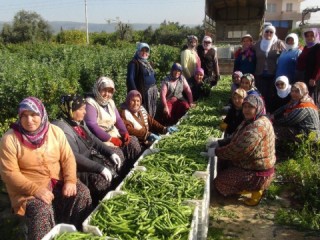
124,31
27,27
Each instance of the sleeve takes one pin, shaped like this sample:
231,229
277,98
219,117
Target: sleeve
131,75
155,126
91,121
141,134
120,124
236,66
163,93
216,69
10,170
293,117
187,90
316,72
184,63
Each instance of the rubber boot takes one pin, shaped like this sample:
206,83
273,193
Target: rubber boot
255,198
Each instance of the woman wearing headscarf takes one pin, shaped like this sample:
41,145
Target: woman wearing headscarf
175,105
39,170
308,65
189,57
97,164
209,61
141,77
139,123
283,88
299,116
247,83
245,57
198,86
268,49
287,60
104,121
251,151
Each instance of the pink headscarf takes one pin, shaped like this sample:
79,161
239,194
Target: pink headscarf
316,36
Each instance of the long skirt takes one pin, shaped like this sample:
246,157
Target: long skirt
177,108
150,100
42,217
234,180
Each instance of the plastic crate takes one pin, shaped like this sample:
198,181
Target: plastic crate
58,229
136,168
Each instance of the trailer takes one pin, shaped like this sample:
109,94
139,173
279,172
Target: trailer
228,20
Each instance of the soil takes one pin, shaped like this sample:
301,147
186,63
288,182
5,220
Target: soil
231,219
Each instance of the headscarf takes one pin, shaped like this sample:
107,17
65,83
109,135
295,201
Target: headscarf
303,90
69,104
130,95
295,41
207,39
257,103
143,61
37,138
283,93
141,45
102,82
177,67
199,70
237,73
316,36
265,44
249,77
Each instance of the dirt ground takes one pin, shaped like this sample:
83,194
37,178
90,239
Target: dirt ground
231,219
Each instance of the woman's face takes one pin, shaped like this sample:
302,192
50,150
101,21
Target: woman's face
176,74
309,36
135,103
295,94
30,121
198,77
280,85
144,53
249,111
236,79
79,114
290,41
237,100
268,34
246,42
245,84
106,93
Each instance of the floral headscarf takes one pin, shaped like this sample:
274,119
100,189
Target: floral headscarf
283,93
257,103
130,95
37,138
102,82
69,104
303,89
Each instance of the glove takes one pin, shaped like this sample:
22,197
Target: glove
172,129
116,160
126,138
153,137
211,153
116,141
212,143
106,173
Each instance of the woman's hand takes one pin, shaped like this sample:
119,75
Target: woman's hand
192,105
126,138
166,111
116,141
45,195
312,82
69,190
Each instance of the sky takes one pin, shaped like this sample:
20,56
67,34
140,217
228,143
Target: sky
126,11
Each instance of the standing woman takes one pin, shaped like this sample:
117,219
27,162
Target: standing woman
141,77
39,170
245,57
104,121
209,61
308,65
174,103
189,57
268,49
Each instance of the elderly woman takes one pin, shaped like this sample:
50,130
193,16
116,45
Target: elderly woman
139,123
97,163
308,64
104,121
141,77
39,170
245,56
209,61
251,151
199,87
283,88
174,103
299,116
268,49
189,57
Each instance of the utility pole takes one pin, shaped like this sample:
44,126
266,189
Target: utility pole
86,15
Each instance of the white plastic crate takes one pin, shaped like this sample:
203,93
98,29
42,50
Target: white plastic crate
58,229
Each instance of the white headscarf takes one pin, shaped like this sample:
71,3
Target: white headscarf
283,93
295,41
207,39
266,44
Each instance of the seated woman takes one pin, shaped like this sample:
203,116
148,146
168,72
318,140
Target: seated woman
104,121
198,86
39,170
299,116
174,103
283,93
247,83
236,80
251,151
234,116
97,163
139,123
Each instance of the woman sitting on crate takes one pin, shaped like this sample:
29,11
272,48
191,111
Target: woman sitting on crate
97,164
250,152
39,170
172,93
104,121
139,123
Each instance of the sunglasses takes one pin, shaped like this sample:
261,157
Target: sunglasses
207,42
268,31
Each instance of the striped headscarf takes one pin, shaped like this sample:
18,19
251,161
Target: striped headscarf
32,139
